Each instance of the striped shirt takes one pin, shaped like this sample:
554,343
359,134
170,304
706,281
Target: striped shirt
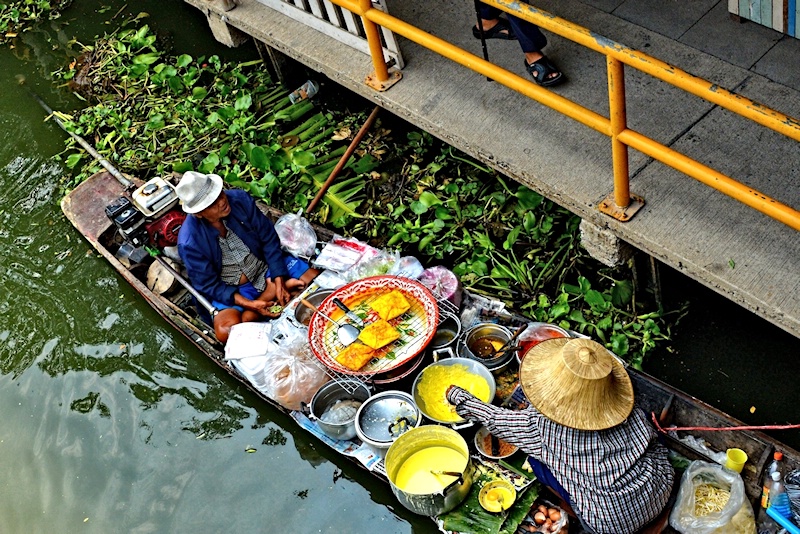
237,260
618,479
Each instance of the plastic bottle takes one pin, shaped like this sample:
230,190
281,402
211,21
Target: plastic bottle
307,90
775,467
778,498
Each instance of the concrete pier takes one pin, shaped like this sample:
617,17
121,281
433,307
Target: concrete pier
742,254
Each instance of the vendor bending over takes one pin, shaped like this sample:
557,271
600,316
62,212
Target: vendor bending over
232,254
586,439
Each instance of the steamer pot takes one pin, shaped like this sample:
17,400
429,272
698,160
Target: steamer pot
420,439
328,395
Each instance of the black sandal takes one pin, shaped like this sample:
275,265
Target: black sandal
496,32
542,71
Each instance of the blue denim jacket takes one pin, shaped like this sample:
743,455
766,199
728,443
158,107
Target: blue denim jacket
199,248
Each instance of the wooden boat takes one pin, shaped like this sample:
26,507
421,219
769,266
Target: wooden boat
85,208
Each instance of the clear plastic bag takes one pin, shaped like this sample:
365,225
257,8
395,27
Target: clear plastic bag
291,375
734,517
296,235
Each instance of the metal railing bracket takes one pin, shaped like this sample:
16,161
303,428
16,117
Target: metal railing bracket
609,207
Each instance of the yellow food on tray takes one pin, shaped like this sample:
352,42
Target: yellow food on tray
355,356
379,334
390,305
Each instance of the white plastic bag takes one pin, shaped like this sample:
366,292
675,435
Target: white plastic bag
291,375
296,235
735,517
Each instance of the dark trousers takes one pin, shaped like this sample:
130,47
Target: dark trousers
530,37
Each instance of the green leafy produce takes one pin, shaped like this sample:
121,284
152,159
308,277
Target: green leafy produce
276,308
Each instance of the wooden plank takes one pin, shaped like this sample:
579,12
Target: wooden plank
754,10
733,7
777,15
766,13
354,41
316,8
350,22
334,13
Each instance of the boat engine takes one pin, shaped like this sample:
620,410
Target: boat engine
163,232
148,216
128,220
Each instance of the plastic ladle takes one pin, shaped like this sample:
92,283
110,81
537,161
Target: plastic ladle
346,333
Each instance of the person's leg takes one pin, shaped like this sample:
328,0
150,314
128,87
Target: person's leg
532,41
493,26
224,321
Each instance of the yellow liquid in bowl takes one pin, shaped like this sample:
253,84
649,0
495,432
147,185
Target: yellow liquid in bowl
414,475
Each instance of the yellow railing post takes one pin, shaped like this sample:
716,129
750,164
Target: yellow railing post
382,78
620,204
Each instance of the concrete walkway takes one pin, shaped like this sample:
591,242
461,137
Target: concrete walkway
729,247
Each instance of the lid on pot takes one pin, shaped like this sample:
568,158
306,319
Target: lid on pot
386,416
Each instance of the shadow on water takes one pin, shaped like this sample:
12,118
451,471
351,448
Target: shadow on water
731,359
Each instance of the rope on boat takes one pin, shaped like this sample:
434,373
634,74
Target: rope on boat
719,429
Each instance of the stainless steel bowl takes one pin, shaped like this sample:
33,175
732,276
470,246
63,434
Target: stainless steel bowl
331,393
302,313
385,417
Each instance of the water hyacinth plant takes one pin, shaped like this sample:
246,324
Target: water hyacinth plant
150,113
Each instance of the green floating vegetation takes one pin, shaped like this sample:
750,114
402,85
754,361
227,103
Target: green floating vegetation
150,113
17,16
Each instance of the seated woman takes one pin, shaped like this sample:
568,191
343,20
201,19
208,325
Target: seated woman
232,254
586,439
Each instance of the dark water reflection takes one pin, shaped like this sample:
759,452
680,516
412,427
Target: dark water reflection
111,421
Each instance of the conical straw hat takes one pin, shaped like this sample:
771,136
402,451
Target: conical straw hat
576,383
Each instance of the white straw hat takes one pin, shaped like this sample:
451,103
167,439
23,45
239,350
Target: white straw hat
577,383
198,191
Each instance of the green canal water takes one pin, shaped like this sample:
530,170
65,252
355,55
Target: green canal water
112,422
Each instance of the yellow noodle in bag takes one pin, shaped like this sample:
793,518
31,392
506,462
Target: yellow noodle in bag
433,385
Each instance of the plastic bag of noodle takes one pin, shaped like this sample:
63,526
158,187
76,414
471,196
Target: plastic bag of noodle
793,491
712,500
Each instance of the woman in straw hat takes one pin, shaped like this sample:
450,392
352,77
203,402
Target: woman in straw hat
586,439
232,254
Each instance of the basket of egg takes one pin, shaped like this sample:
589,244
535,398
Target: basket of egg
546,517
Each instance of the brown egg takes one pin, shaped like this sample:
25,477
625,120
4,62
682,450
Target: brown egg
542,508
553,514
539,518
547,524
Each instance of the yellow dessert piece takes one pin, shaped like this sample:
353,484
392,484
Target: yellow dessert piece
379,334
390,305
355,356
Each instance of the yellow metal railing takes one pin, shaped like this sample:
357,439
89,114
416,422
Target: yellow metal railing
622,137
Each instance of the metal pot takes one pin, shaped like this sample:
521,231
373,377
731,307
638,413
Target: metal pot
420,439
329,394
473,366
400,375
302,313
384,417
497,363
447,332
